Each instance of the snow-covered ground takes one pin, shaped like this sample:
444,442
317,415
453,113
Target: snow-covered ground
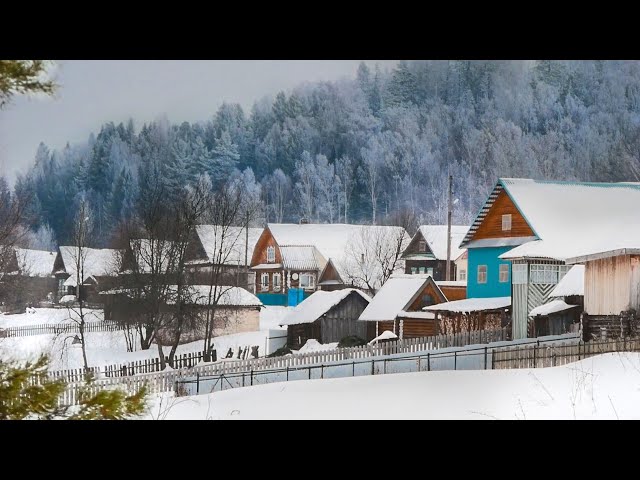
105,348
602,387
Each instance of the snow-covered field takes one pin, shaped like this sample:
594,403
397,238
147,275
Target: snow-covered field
104,348
602,387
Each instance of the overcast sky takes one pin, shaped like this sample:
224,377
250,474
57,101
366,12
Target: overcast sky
97,91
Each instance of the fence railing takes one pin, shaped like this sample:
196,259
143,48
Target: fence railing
57,328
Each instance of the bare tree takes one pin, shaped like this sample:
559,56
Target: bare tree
373,255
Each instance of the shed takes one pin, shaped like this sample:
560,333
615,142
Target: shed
327,316
472,314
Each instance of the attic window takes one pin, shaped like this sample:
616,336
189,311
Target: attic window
422,246
427,300
506,222
271,254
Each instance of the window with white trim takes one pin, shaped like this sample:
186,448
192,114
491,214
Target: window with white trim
421,271
547,274
276,282
430,271
422,246
307,280
506,222
271,254
482,274
414,270
264,282
462,275
504,273
519,273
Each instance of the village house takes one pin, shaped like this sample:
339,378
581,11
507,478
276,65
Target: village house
427,252
99,272
397,307
291,261
28,278
327,316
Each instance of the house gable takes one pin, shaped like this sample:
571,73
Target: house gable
430,288
260,252
413,249
488,223
195,249
58,264
330,274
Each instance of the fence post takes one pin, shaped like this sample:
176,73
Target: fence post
198,383
485,358
419,363
353,369
455,360
372,367
493,359
535,355
322,371
287,373
428,361
252,377
309,373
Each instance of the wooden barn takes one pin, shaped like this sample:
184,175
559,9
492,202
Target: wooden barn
427,252
398,305
453,289
327,317
611,292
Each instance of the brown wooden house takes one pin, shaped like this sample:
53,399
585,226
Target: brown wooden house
27,278
398,305
327,316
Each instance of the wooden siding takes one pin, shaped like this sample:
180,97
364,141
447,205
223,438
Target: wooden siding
491,226
415,328
418,303
414,246
297,335
329,273
454,293
391,326
342,320
260,252
612,285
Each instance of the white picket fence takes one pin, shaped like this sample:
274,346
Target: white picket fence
165,380
57,328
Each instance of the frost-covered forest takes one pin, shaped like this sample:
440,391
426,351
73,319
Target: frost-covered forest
374,148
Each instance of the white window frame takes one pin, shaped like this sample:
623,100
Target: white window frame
271,254
422,246
519,273
462,274
506,222
421,270
311,281
264,287
414,270
276,282
503,273
482,275
430,271
547,274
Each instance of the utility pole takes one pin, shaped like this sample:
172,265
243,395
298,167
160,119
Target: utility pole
448,272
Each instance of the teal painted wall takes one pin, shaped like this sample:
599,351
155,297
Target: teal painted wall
293,297
493,287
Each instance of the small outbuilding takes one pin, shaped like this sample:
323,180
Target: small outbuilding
327,316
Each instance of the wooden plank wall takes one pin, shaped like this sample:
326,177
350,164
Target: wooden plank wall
607,286
491,227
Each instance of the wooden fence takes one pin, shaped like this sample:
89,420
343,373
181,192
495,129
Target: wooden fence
57,328
540,356
147,371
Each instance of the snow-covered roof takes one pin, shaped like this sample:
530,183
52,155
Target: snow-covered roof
471,305
571,284
199,295
451,283
97,262
317,304
632,248
394,296
267,266
418,315
301,257
233,246
331,239
35,263
386,335
553,306
436,238
574,218
153,255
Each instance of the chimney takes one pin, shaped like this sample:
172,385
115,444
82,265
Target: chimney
304,221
